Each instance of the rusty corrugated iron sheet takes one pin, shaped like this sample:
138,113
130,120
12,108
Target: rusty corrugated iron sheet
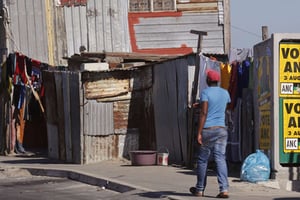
110,147
106,88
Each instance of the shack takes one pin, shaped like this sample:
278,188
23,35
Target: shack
95,115
50,31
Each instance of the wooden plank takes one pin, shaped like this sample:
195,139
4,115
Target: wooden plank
76,124
50,100
195,1
121,56
227,27
51,114
199,10
60,115
117,98
200,7
52,137
50,31
67,119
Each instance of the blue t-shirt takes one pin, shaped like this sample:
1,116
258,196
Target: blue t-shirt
217,99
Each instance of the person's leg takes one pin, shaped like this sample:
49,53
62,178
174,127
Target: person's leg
220,159
203,154
202,161
20,130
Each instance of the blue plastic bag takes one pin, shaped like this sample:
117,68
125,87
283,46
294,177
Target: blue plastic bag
256,167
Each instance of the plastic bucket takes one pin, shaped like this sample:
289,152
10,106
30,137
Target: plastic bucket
162,157
143,157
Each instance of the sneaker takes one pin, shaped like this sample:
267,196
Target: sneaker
196,193
223,195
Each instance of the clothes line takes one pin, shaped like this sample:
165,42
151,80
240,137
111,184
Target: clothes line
21,79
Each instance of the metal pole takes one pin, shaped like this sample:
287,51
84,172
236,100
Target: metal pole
191,127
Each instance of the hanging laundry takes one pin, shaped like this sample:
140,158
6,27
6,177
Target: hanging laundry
19,76
233,152
233,84
205,64
34,72
243,77
239,55
225,75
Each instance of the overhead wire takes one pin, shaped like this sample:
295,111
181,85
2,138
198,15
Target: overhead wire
246,31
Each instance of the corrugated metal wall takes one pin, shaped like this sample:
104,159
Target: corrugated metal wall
100,26
27,28
76,28
98,118
48,32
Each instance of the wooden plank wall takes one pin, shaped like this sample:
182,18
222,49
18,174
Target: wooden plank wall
63,115
198,6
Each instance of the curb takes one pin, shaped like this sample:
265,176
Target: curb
81,177
91,180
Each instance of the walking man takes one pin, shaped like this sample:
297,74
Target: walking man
212,135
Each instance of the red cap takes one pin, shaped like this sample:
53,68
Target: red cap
213,75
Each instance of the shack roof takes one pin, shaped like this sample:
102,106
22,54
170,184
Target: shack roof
124,60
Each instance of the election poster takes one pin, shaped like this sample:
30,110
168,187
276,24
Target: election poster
291,125
289,70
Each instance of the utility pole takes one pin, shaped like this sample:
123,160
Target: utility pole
191,127
264,31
